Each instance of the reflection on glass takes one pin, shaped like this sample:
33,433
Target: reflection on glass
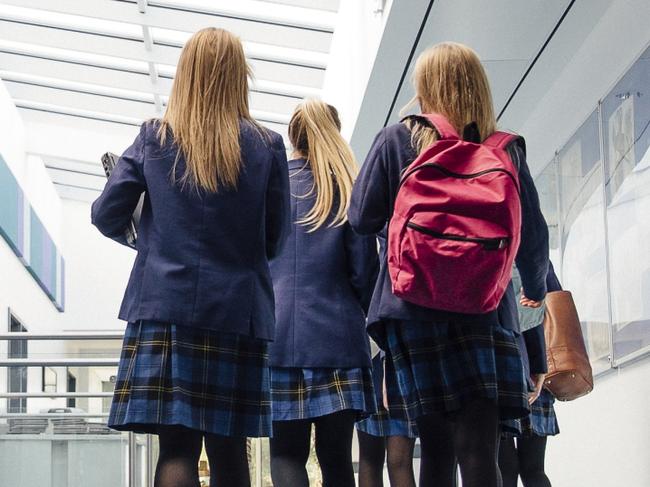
626,116
583,253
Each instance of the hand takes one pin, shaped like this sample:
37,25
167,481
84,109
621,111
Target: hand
538,381
384,390
529,303
384,393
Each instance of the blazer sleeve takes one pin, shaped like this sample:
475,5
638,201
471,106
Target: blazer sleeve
278,206
369,205
112,211
532,257
552,282
536,348
363,264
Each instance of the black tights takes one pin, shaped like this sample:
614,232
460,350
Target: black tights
525,460
290,450
399,453
180,449
469,437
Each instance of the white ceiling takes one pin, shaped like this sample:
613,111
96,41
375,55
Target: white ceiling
507,34
97,68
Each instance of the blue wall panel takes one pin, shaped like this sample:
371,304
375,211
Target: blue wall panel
40,255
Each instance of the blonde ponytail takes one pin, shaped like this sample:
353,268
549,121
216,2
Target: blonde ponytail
314,131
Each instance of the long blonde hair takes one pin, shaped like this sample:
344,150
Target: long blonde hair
314,131
208,100
449,79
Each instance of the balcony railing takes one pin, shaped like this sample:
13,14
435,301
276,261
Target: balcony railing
67,447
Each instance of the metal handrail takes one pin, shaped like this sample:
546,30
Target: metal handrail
79,335
70,362
53,395
53,415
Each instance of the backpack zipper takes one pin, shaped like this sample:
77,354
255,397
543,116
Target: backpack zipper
487,243
453,174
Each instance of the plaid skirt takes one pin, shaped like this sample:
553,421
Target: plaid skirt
382,423
303,393
442,367
540,422
212,382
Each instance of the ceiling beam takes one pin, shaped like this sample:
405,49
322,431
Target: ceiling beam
148,49
250,26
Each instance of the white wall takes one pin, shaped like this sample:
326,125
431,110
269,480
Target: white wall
354,47
29,171
97,270
605,436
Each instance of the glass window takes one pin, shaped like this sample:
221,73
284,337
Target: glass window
582,247
626,141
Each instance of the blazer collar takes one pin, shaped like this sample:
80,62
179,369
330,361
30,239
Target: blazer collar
297,163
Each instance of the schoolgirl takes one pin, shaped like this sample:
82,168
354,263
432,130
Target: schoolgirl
458,374
323,281
199,302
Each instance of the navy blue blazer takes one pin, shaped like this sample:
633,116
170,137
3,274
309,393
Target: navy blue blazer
323,282
535,343
202,257
372,206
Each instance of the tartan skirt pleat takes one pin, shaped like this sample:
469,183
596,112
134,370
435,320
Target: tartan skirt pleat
382,423
304,393
442,367
540,422
212,382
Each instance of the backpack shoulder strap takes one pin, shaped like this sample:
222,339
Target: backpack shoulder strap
501,140
505,140
438,122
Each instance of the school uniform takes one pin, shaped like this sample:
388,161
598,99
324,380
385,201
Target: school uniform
199,302
445,360
383,423
323,281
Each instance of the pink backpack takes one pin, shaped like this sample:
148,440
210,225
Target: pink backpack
456,225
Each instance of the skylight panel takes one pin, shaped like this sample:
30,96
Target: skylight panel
259,11
72,22
70,55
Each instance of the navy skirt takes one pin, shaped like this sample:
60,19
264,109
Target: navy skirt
304,393
442,367
212,382
382,423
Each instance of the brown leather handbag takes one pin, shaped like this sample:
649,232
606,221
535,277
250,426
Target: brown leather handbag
569,371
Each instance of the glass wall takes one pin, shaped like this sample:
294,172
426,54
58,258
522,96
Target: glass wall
595,195
626,142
